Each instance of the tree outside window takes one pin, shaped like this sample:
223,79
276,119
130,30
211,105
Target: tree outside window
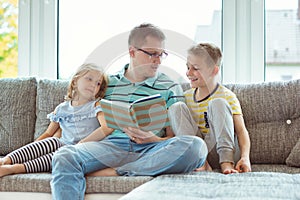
8,38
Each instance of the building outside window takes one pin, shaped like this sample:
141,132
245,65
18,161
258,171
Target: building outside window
282,40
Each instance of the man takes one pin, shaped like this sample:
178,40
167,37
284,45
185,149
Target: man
132,152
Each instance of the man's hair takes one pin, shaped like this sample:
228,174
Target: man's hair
210,52
139,33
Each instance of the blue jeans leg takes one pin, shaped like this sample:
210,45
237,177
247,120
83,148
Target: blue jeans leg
70,163
176,155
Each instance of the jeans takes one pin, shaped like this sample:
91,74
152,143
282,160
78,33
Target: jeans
176,155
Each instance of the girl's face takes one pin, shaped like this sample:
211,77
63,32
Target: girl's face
89,84
198,72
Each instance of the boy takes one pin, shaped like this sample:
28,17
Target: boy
216,114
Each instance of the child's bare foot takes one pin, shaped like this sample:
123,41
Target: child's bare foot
5,170
5,161
104,172
228,168
11,169
205,167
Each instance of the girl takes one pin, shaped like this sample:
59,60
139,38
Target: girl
74,121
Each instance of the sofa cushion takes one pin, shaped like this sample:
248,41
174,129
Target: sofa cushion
272,115
40,182
294,158
50,93
17,112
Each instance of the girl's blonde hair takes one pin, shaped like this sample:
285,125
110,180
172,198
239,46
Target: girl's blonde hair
210,52
81,71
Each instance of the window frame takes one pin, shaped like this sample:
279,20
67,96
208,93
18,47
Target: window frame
243,41
37,45
242,32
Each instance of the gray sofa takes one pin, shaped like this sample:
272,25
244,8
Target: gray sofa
271,113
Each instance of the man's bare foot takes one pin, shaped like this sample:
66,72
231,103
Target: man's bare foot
205,167
228,168
104,172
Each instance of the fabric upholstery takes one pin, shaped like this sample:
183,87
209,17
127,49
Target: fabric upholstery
294,158
50,93
41,183
272,115
17,112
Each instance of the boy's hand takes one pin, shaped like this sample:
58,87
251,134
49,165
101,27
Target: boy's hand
243,165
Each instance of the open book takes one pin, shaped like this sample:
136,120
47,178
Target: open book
148,113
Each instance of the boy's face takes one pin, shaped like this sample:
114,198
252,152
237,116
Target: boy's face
198,72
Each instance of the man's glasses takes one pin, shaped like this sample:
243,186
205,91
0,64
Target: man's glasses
162,55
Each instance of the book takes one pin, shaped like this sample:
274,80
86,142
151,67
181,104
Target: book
147,113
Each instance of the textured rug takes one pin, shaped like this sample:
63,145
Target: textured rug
212,185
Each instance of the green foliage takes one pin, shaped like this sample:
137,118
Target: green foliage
8,38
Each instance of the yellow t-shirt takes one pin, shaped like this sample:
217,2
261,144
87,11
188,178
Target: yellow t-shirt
199,109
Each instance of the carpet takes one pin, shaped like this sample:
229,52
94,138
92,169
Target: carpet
217,186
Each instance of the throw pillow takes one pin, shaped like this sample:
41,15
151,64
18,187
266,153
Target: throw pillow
293,160
17,112
50,93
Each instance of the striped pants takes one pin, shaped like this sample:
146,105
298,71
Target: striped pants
36,156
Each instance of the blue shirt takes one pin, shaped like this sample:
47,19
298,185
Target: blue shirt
121,89
76,122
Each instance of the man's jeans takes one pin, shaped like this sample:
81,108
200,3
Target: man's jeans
176,155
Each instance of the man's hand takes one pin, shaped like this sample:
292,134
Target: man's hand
141,137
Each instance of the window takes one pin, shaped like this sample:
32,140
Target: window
282,40
97,32
241,27
8,38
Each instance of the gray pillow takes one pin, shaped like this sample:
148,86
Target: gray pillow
50,93
17,112
293,160
266,108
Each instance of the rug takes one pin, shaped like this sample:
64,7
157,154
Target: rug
217,186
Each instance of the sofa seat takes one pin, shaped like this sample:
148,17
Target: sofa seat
40,182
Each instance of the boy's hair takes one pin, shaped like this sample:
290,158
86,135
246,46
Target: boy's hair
210,52
81,71
139,33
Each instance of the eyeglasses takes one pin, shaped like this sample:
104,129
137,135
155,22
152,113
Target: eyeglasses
162,55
